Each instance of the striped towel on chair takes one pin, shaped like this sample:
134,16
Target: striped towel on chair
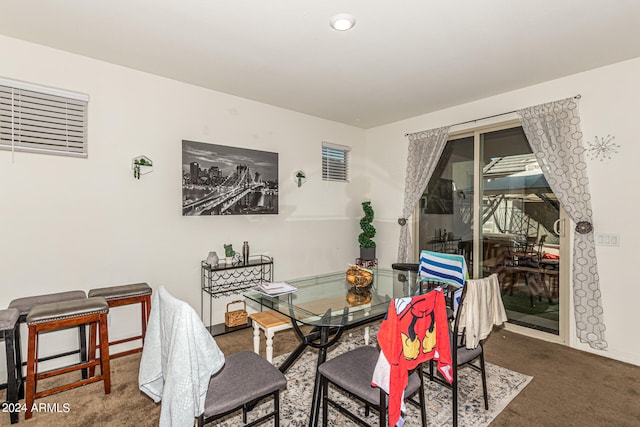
446,268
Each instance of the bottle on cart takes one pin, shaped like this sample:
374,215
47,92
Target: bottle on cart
245,253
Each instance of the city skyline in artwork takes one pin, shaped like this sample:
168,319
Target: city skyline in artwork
225,180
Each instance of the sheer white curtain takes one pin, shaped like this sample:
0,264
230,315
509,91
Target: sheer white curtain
553,131
425,149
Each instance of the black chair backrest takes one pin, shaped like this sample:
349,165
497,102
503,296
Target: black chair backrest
456,323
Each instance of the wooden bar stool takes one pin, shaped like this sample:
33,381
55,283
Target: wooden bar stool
116,296
8,326
270,322
24,306
62,315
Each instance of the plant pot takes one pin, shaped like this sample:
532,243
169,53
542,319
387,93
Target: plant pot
368,254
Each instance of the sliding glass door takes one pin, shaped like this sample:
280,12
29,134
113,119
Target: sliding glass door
489,201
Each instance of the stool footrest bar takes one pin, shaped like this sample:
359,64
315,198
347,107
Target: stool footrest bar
66,369
125,353
124,340
67,387
55,356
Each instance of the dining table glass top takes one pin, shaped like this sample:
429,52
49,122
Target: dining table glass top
330,300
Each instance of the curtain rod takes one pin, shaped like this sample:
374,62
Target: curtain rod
578,96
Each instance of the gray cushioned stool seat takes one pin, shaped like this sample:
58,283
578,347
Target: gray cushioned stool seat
353,371
122,291
66,310
24,305
62,315
259,378
118,296
8,318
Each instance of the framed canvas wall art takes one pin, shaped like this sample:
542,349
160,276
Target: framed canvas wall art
224,180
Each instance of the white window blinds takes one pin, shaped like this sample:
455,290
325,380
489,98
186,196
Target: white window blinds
335,162
42,120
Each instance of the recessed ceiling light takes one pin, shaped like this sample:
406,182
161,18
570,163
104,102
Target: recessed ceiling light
343,22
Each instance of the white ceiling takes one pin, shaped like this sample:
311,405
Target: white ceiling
402,58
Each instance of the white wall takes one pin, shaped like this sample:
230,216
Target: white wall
77,224
609,106
83,223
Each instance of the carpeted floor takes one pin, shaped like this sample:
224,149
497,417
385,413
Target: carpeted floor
569,388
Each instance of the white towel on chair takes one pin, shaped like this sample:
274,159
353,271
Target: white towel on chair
482,309
178,358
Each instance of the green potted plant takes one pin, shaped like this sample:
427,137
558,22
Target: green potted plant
367,245
229,253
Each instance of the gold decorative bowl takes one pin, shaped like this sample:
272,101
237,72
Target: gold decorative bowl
359,277
358,296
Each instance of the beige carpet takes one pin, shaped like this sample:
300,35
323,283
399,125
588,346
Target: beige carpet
127,406
89,406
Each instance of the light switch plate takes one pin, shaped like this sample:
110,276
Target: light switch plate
607,239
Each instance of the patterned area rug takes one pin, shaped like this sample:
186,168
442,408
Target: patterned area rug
502,384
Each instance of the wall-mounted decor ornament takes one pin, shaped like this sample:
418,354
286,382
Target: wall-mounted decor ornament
602,148
300,177
141,165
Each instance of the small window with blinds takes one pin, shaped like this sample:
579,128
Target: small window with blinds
335,162
40,119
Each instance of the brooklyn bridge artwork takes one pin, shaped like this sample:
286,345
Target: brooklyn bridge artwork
222,180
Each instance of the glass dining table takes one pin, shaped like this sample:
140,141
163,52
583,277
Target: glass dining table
329,305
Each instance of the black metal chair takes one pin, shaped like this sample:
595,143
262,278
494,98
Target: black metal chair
352,372
460,356
245,379
177,334
421,318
